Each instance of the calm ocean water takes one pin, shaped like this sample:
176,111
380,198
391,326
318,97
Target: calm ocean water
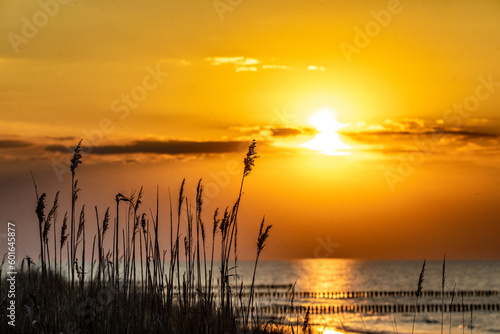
323,283
335,275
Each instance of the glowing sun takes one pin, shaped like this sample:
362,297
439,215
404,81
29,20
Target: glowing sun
327,140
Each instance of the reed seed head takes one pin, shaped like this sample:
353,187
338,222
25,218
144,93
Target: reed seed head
136,225
40,207
46,230
143,223
224,225
105,223
81,223
421,281
138,201
181,197
216,221
199,196
77,158
119,197
263,235
55,206
64,235
76,190
51,215
249,161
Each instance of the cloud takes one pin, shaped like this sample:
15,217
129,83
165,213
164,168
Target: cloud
241,61
268,131
246,64
410,134
415,127
171,147
9,143
241,64
276,67
285,132
246,69
62,138
462,134
315,68
466,134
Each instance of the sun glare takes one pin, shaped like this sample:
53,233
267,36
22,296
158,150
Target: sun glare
330,331
327,141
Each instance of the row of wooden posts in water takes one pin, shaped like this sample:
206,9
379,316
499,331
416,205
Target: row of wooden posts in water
374,308
372,294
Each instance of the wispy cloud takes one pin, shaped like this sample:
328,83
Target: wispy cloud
417,126
409,134
246,64
246,69
276,67
315,68
268,132
241,64
240,61
8,143
286,132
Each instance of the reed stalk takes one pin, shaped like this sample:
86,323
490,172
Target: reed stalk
261,243
75,161
442,294
451,303
419,293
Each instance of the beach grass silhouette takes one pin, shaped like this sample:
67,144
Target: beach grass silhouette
164,295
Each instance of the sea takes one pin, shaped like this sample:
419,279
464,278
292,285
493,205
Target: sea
367,296
356,296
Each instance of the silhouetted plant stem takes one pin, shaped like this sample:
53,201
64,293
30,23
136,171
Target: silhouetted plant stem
442,294
261,243
419,293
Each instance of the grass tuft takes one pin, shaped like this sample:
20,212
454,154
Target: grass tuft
113,296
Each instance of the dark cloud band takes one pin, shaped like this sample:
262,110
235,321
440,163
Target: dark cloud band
173,147
7,143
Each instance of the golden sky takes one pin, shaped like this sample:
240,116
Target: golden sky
169,89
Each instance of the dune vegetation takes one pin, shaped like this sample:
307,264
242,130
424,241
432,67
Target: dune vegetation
134,286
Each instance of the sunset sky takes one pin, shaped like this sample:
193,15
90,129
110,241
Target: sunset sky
162,90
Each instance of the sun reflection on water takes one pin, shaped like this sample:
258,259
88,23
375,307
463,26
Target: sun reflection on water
330,331
326,275
325,284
